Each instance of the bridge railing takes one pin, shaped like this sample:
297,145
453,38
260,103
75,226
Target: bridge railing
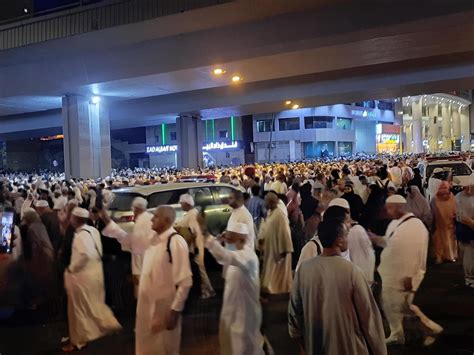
82,19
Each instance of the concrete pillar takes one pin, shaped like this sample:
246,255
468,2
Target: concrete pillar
3,155
417,126
465,129
446,126
409,138
86,129
456,120
292,150
433,128
190,141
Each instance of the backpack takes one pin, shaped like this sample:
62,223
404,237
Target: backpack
195,291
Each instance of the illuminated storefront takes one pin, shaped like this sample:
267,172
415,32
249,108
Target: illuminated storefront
388,138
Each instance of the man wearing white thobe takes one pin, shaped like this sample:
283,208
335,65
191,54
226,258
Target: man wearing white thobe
190,221
165,281
275,235
241,314
89,317
141,230
402,269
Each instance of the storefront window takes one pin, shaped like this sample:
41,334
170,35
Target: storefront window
344,148
172,136
344,123
289,124
313,150
311,122
265,126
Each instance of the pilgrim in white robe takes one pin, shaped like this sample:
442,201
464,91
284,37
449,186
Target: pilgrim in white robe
241,314
164,285
190,221
277,248
332,309
89,317
404,256
361,251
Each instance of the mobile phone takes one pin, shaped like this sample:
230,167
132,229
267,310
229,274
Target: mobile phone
6,241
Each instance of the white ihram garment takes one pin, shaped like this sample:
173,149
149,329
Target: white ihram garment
241,314
361,251
190,221
141,230
89,317
404,256
164,285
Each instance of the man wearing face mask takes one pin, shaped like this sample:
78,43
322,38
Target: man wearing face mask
240,214
331,309
241,315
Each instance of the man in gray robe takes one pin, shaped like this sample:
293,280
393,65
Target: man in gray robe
331,309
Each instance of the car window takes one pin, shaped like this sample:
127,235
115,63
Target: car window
122,201
460,169
223,194
202,196
164,198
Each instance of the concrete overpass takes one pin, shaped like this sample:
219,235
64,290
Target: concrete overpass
313,52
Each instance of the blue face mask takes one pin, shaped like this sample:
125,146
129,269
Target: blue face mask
230,247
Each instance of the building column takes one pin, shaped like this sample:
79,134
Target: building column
3,155
433,128
292,150
465,129
190,140
417,126
446,126
86,129
408,138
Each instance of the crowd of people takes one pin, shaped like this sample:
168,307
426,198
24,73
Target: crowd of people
347,239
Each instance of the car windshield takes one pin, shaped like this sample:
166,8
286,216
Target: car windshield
459,169
123,201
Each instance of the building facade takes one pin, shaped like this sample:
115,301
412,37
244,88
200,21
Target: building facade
437,122
326,131
222,143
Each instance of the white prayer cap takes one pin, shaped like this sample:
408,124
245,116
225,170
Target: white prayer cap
237,227
41,203
80,212
42,186
395,199
140,202
340,202
438,170
186,198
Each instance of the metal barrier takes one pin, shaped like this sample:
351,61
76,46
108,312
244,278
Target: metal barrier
95,17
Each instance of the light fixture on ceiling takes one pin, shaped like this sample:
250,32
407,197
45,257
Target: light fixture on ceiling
25,10
218,71
95,100
295,106
288,102
236,78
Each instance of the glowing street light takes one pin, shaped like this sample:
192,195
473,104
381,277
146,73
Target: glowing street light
218,71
